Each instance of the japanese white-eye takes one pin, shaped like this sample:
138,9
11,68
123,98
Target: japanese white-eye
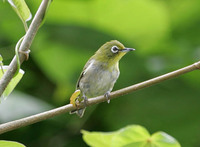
99,74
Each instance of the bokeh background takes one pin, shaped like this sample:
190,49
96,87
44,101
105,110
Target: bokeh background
166,36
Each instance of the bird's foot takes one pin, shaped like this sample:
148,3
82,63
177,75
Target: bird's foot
26,53
75,100
80,112
85,100
107,96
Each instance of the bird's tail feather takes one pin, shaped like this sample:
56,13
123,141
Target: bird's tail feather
79,112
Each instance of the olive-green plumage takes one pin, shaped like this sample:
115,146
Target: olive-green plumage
101,72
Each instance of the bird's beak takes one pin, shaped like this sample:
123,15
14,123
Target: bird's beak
127,50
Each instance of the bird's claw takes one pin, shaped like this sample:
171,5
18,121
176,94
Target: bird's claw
75,99
26,53
85,100
107,96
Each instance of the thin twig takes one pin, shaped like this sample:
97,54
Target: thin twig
25,45
51,113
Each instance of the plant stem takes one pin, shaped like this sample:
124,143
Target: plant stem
67,108
25,45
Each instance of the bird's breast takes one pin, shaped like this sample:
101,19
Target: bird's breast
98,79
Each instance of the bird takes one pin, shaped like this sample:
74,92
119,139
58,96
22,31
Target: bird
99,74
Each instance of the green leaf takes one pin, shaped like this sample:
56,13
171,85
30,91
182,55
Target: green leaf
12,83
164,140
1,63
97,139
1,58
4,143
130,136
43,20
17,55
22,10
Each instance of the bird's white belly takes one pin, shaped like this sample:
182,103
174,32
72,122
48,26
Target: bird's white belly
97,81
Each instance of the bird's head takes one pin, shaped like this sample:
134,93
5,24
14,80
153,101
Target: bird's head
111,52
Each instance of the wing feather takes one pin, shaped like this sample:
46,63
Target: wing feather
85,69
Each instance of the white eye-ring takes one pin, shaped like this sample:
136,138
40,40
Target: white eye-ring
114,49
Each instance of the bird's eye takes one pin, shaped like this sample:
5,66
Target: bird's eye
114,49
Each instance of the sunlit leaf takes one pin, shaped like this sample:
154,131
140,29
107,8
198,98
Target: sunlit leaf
130,136
22,10
4,143
1,58
12,83
1,63
97,139
164,140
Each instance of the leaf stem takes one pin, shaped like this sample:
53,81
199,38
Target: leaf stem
25,45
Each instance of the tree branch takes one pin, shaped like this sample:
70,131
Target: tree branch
25,45
51,113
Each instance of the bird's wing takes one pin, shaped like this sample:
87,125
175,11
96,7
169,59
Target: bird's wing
85,69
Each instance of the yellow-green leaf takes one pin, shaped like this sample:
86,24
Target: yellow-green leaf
1,58
12,83
130,136
97,139
22,10
1,63
4,143
164,140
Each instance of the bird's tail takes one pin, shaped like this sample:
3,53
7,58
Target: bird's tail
79,112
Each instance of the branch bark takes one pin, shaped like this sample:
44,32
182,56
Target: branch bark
25,45
51,113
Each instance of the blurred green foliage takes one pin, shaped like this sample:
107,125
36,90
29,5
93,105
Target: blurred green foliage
166,35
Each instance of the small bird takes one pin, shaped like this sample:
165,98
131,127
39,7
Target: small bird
99,74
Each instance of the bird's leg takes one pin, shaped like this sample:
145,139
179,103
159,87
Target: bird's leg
107,95
85,100
81,111
75,100
26,53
